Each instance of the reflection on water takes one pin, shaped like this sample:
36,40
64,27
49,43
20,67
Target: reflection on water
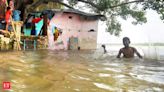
73,71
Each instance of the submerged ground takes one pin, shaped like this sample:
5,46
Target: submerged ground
78,71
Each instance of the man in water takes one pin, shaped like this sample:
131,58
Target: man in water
127,51
104,48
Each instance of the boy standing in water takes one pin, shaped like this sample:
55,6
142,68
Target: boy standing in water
127,51
7,17
104,48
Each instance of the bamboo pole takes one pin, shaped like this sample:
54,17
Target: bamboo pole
17,38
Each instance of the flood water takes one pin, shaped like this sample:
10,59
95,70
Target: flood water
78,71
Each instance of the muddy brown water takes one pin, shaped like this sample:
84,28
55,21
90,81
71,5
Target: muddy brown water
78,71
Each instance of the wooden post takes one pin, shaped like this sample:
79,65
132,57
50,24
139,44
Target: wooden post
45,24
17,25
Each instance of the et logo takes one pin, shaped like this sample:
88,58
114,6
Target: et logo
6,85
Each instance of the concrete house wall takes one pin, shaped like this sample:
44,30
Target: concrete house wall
77,26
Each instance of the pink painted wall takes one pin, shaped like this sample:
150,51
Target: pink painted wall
77,27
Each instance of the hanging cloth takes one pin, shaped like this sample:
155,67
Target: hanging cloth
56,34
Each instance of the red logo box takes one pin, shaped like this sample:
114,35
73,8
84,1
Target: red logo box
6,85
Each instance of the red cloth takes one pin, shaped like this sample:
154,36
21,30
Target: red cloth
7,17
36,20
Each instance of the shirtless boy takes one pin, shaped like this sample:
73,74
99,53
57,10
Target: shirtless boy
127,51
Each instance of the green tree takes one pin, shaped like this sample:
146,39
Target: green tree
114,9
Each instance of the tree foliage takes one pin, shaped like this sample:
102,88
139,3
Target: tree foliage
114,9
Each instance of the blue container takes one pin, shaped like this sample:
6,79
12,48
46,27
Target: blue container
27,32
1,26
16,15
